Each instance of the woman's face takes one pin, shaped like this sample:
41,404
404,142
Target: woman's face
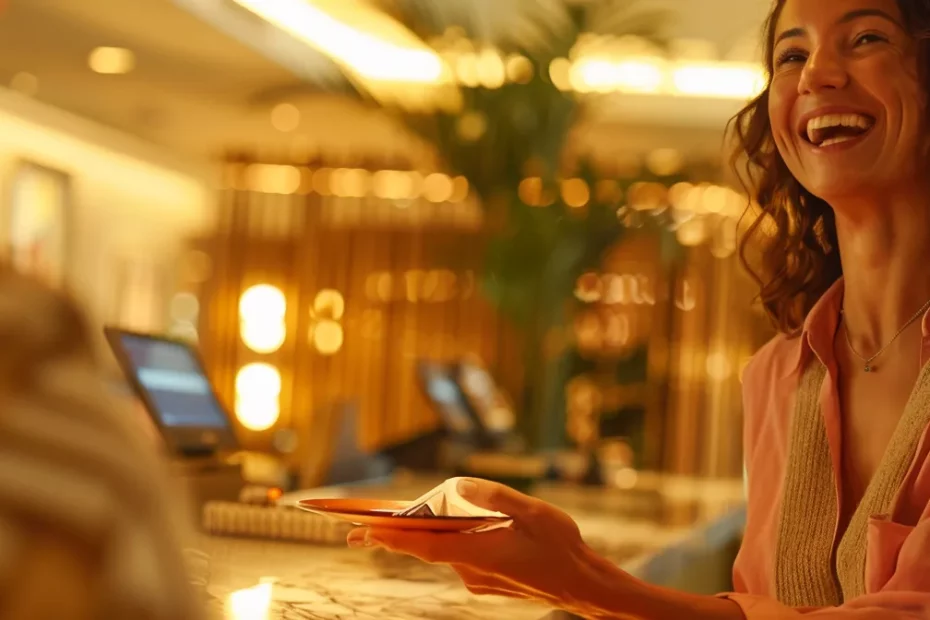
845,103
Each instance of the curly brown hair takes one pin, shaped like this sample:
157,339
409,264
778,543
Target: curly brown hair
790,249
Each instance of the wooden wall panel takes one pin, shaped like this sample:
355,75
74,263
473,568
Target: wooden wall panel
285,241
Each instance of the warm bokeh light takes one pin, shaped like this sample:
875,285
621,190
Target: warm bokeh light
250,603
262,302
653,75
589,287
437,187
718,80
378,48
634,75
530,191
327,337
285,117
272,179
262,309
329,304
718,366
258,381
185,307
258,390
111,60
519,69
575,192
263,337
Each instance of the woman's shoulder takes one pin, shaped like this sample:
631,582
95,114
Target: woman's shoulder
768,391
776,359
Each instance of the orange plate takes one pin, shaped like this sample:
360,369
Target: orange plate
379,513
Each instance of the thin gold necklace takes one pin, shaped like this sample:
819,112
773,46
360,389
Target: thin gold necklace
867,361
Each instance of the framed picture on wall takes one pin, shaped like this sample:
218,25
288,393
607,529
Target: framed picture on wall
39,218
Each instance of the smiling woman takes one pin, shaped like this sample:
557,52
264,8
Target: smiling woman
837,459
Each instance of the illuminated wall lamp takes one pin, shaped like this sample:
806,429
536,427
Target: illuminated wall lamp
258,392
262,310
327,337
326,333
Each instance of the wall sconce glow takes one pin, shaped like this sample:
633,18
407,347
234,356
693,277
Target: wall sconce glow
327,337
263,301
718,366
261,337
369,55
329,303
111,60
258,391
262,310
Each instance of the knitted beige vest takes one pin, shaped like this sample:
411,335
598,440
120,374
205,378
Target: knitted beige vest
806,571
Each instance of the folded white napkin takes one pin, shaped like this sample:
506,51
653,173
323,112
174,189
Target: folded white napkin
445,501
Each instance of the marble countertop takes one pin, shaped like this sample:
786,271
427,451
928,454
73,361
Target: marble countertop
645,529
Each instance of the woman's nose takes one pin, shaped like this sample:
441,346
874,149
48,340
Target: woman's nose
823,70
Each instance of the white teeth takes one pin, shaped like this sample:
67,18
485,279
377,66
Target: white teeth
835,141
835,120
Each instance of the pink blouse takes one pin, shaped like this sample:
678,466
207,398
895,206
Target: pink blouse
898,545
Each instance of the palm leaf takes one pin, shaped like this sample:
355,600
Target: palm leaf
626,17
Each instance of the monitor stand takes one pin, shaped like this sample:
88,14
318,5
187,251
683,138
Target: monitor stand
198,453
350,463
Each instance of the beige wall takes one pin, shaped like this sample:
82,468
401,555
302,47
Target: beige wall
132,204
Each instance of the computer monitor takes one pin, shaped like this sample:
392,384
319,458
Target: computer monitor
168,377
486,399
443,391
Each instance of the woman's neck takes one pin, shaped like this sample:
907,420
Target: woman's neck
884,249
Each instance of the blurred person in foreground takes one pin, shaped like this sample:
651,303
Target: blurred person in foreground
88,526
837,449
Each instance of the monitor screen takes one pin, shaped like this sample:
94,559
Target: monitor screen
171,382
486,399
445,394
169,372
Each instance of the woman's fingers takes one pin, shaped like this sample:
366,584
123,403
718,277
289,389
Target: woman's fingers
498,497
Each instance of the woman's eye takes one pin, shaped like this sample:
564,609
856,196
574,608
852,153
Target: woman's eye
865,39
790,56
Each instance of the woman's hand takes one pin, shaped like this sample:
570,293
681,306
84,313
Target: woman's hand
540,556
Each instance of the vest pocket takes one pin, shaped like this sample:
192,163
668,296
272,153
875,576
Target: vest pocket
884,539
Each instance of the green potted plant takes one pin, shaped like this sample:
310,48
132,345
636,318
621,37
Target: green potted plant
548,224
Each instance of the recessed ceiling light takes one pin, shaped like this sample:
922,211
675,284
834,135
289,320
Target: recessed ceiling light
25,83
112,60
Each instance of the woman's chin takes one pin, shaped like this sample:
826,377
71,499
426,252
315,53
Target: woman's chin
838,187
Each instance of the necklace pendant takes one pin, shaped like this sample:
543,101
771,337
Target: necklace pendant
868,368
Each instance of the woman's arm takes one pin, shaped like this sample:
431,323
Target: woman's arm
615,595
